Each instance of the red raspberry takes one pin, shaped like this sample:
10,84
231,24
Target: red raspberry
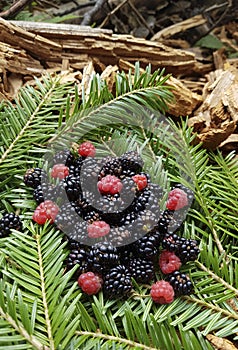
140,180
110,184
87,149
177,199
47,210
98,229
90,283
59,171
169,262
162,292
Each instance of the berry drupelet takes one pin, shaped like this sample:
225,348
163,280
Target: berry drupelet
9,221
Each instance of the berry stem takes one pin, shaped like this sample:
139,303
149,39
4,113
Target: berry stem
210,306
44,297
117,339
21,330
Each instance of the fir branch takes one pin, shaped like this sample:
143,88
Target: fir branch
21,330
212,307
28,123
119,340
217,278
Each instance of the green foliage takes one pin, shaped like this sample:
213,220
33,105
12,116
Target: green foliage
210,42
40,305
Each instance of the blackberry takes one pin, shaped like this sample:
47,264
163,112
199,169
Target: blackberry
63,157
9,221
125,253
167,222
78,255
89,174
75,169
79,232
33,177
131,163
72,187
180,283
102,256
112,166
146,247
43,192
117,281
172,242
91,216
188,250
119,236
67,217
142,270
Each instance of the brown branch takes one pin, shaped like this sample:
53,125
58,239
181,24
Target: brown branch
89,15
14,9
112,13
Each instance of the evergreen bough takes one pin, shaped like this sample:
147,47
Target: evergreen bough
41,307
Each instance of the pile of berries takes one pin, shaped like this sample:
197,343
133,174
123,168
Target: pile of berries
116,230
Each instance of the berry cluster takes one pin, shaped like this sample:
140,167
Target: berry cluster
115,228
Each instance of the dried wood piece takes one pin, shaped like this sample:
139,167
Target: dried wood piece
221,343
16,60
185,102
180,27
56,41
216,118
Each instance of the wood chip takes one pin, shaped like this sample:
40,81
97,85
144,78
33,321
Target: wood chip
215,120
221,343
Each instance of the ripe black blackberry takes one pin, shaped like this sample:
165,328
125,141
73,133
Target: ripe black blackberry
131,163
188,250
172,242
112,166
142,270
119,236
75,168
79,232
33,177
146,247
91,216
102,256
167,222
67,217
63,157
9,221
89,174
180,283
78,255
72,187
44,192
117,281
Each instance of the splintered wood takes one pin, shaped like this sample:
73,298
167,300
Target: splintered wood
29,49
50,43
216,119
